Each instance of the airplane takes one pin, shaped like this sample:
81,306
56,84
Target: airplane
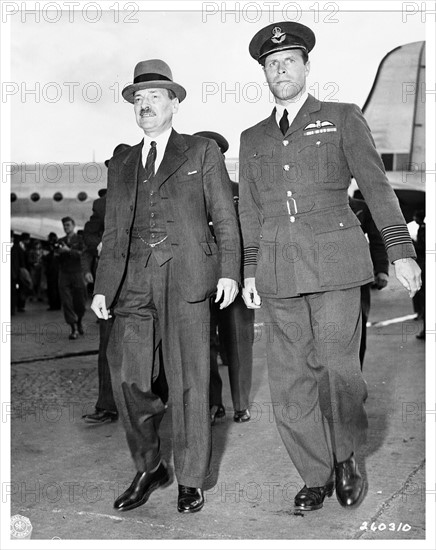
394,109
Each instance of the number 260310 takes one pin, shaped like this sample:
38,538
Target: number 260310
404,527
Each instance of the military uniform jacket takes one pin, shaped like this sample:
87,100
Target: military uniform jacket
194,185
299,233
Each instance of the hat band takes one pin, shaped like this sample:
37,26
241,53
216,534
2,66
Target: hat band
148,77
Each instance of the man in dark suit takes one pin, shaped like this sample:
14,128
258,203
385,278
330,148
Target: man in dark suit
306,257
158,267
232,332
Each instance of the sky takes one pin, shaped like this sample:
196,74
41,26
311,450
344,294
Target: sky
67,74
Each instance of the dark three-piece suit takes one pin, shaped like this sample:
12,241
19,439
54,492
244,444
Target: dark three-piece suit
158,268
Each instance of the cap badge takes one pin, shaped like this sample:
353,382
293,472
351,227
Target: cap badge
278,35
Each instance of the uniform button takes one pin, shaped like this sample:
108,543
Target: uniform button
131,207
285,142
152,224
127,231
152,203
151,193
153,235
289,193
123,255
152,214
286,167
292,218
341,224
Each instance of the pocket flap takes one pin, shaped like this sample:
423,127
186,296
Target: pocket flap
333,221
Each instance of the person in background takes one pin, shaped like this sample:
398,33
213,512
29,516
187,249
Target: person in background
24,286
17,262
419,298
105,408
380,262
232,332
35,260
72,288
51,268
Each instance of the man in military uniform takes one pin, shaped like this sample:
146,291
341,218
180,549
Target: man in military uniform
306,257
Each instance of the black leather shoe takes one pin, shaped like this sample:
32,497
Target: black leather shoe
312,498
74,335
350,487
190,499
242,416
100,417
216,413
141,488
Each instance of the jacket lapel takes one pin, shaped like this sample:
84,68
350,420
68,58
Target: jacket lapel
173,158
310,106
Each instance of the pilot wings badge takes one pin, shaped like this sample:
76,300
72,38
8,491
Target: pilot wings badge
319,127
278,35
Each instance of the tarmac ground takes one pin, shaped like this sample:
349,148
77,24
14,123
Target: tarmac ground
66,474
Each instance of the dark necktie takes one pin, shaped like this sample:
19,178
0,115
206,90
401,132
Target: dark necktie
149,163
284,123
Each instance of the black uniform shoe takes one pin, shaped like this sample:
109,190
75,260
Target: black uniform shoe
350,487
190,499
242,416
100,417
141,488
312,498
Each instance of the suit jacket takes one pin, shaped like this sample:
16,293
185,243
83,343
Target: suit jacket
193,184
299,232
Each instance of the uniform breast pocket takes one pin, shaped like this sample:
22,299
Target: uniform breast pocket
341,249
318,158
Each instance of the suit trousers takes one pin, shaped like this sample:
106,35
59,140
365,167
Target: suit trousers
315,379
236,335
105,394
150,311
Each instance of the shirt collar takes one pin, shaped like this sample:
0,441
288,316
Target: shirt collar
292,108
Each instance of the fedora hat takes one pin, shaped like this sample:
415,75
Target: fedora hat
153,73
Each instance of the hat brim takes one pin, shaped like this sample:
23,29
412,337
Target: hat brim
129,91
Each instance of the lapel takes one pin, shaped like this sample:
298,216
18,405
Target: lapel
129,170
310,106
173,158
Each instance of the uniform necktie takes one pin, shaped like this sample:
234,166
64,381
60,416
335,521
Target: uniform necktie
151,159
284,123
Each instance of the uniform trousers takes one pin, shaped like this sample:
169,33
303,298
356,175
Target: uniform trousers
150,311
315,379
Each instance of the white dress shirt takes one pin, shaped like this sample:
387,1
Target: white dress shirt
292,109
161,144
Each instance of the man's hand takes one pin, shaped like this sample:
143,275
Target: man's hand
249,294
88,277
99,247
98,306
381,280
409,275
228,289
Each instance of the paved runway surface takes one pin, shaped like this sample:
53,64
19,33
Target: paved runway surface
66,474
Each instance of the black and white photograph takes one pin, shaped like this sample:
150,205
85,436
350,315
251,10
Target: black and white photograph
218,274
